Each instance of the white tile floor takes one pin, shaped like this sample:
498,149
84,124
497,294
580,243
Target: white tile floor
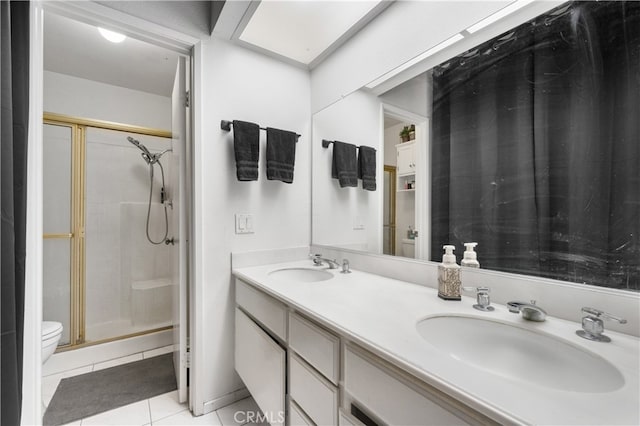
159,410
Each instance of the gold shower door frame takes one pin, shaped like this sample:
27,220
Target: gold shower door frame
78,126
77,261
391,170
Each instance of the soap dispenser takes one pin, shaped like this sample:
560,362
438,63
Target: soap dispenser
470,258
449,275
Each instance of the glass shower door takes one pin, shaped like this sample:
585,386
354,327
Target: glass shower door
62,237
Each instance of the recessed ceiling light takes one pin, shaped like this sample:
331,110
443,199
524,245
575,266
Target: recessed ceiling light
112,36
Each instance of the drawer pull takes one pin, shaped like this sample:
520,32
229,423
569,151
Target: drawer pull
360,415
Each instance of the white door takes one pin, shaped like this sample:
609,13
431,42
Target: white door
179,226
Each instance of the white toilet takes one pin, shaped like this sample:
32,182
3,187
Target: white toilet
51,332
408,248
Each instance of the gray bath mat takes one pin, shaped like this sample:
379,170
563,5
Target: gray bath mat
92,393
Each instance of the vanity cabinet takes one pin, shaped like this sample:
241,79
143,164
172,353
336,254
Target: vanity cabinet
314,368
260,355
379,392
261,363
290,363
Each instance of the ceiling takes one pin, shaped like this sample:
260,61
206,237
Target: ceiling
78,49
302,32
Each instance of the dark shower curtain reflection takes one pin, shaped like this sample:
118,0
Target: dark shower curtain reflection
535,149
14,81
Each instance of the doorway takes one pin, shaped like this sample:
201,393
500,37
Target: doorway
406,183
116,191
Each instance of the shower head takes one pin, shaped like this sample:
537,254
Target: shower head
146,154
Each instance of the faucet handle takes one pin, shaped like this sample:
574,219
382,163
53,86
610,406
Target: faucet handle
345,267
316,258
482,298
593,326
598,313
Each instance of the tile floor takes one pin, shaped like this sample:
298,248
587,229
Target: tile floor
159,410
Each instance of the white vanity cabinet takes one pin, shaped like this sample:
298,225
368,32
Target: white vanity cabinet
260,359
290,362
378,392
314,368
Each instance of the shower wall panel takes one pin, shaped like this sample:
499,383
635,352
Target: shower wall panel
118,253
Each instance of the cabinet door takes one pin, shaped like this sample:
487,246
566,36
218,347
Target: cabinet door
406,159
393,399
261,364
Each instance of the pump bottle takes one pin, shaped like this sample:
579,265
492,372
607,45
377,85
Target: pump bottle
470,258
449,275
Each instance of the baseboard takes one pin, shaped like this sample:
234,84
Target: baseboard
225,400
76,358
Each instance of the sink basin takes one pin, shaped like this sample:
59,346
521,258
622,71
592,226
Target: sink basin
521,354
305,275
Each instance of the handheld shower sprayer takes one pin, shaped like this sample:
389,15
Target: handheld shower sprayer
152,159
146,154
140,146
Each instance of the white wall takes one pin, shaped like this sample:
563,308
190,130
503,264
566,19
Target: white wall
64,94
404,30
355,119
412,95
243,85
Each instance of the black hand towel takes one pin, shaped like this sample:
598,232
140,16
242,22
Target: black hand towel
367,167
344,166
281,154
246,144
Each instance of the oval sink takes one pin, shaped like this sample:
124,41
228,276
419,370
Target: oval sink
517,353
305,275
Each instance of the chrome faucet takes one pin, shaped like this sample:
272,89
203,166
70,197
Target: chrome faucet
530,311
318,260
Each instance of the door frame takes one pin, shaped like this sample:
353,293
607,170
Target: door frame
190,46
423,176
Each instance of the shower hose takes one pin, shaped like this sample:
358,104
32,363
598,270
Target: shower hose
162,200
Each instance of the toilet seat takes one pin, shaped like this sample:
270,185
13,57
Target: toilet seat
50,329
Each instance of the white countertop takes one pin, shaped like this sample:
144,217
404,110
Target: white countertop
381,314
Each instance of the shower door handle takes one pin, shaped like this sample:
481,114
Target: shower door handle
52,236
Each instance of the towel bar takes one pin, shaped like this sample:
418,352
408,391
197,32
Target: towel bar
226,126
326,143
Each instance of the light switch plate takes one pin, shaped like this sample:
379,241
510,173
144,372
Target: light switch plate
244,223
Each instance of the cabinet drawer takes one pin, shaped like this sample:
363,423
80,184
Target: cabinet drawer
313,393
345,419
390,398
261,363
270,312
317,346
297,416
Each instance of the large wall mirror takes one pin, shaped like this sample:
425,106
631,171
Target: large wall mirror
528,144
